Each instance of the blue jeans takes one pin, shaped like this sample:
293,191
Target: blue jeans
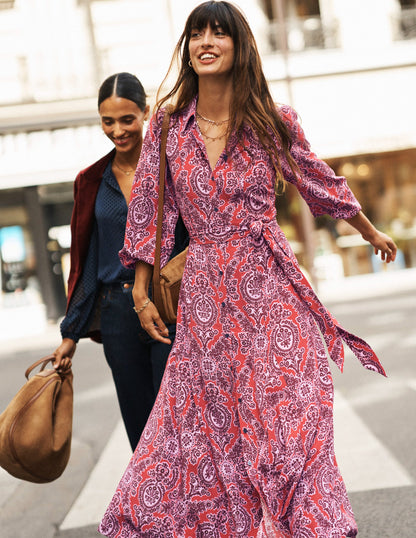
137,361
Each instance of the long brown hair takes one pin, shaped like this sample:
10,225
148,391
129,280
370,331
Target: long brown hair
251,101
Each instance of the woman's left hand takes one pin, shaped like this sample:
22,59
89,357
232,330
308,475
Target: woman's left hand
380,241
384,244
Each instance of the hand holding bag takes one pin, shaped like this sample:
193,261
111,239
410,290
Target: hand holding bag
36,427
166,283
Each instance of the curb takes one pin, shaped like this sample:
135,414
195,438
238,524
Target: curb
367,286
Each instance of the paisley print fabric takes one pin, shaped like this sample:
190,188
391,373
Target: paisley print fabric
240,441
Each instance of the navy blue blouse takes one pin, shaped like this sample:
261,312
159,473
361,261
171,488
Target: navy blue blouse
102,265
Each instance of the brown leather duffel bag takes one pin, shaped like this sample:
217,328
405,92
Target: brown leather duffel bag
36,427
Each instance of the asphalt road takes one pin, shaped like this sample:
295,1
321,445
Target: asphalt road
375,429
387,407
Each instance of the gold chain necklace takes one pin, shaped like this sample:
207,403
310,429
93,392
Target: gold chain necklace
127,172
204,134
217,123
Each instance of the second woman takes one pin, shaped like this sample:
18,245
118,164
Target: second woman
100,301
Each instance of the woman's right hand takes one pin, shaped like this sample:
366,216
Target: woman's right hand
64,353
152,323
149,317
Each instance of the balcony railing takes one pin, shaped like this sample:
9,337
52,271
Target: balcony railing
304,33
405,24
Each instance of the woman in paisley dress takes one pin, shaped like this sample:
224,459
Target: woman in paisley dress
240,441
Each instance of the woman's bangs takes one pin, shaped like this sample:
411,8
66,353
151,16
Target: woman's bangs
211,14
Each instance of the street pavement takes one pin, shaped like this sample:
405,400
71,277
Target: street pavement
374,418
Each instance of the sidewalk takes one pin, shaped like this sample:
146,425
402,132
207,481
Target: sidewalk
22,315
26,327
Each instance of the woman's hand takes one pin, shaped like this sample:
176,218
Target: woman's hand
380,241
64,353
149,317
152,323
384,244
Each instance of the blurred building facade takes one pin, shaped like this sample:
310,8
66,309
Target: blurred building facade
348,68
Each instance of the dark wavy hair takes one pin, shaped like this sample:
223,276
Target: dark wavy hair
123,85
251,102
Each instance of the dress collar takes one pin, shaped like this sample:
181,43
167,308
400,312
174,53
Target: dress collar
189,113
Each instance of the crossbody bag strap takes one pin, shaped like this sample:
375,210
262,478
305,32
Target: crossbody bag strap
162,175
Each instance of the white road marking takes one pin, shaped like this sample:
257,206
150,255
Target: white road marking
412,384
96,393
96,495
364,461
379,391
387,318
408,341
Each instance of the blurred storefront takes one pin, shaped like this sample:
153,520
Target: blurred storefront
31,249
385,185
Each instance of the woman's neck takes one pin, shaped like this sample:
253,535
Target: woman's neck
214,99
129,159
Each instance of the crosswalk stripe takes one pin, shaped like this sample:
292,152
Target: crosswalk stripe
408,341
93,500
365,463
412,384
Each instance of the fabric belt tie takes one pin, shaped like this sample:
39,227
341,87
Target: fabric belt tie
334,335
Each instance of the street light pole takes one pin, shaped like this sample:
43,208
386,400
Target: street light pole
279,10
307,221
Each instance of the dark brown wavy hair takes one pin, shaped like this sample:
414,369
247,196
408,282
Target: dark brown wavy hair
251,102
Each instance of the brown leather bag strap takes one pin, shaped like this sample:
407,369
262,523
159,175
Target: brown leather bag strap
162,174
44,361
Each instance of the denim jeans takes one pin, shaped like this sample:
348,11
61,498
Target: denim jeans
137,361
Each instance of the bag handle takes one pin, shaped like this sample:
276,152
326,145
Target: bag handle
157,295
44,361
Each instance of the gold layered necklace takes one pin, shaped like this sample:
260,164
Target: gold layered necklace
211,123
217,123
127,172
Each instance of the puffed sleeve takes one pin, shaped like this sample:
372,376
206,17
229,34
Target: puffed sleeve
140,235
323,191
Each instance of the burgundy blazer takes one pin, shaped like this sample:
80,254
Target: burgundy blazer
86,187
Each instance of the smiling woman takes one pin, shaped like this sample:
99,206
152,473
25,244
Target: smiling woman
211,52
122,121
100,303
240,441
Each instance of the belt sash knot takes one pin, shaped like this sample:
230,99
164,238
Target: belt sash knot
334,335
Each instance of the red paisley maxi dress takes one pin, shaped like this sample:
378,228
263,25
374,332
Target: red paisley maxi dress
240,441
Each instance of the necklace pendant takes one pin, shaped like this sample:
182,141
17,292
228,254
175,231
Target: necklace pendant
207,137
126,172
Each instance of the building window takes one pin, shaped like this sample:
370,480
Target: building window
6,4
304,26
405,22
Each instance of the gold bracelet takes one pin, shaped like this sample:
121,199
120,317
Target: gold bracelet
138,310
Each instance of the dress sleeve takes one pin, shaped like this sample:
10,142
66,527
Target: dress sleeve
140,236
317,183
